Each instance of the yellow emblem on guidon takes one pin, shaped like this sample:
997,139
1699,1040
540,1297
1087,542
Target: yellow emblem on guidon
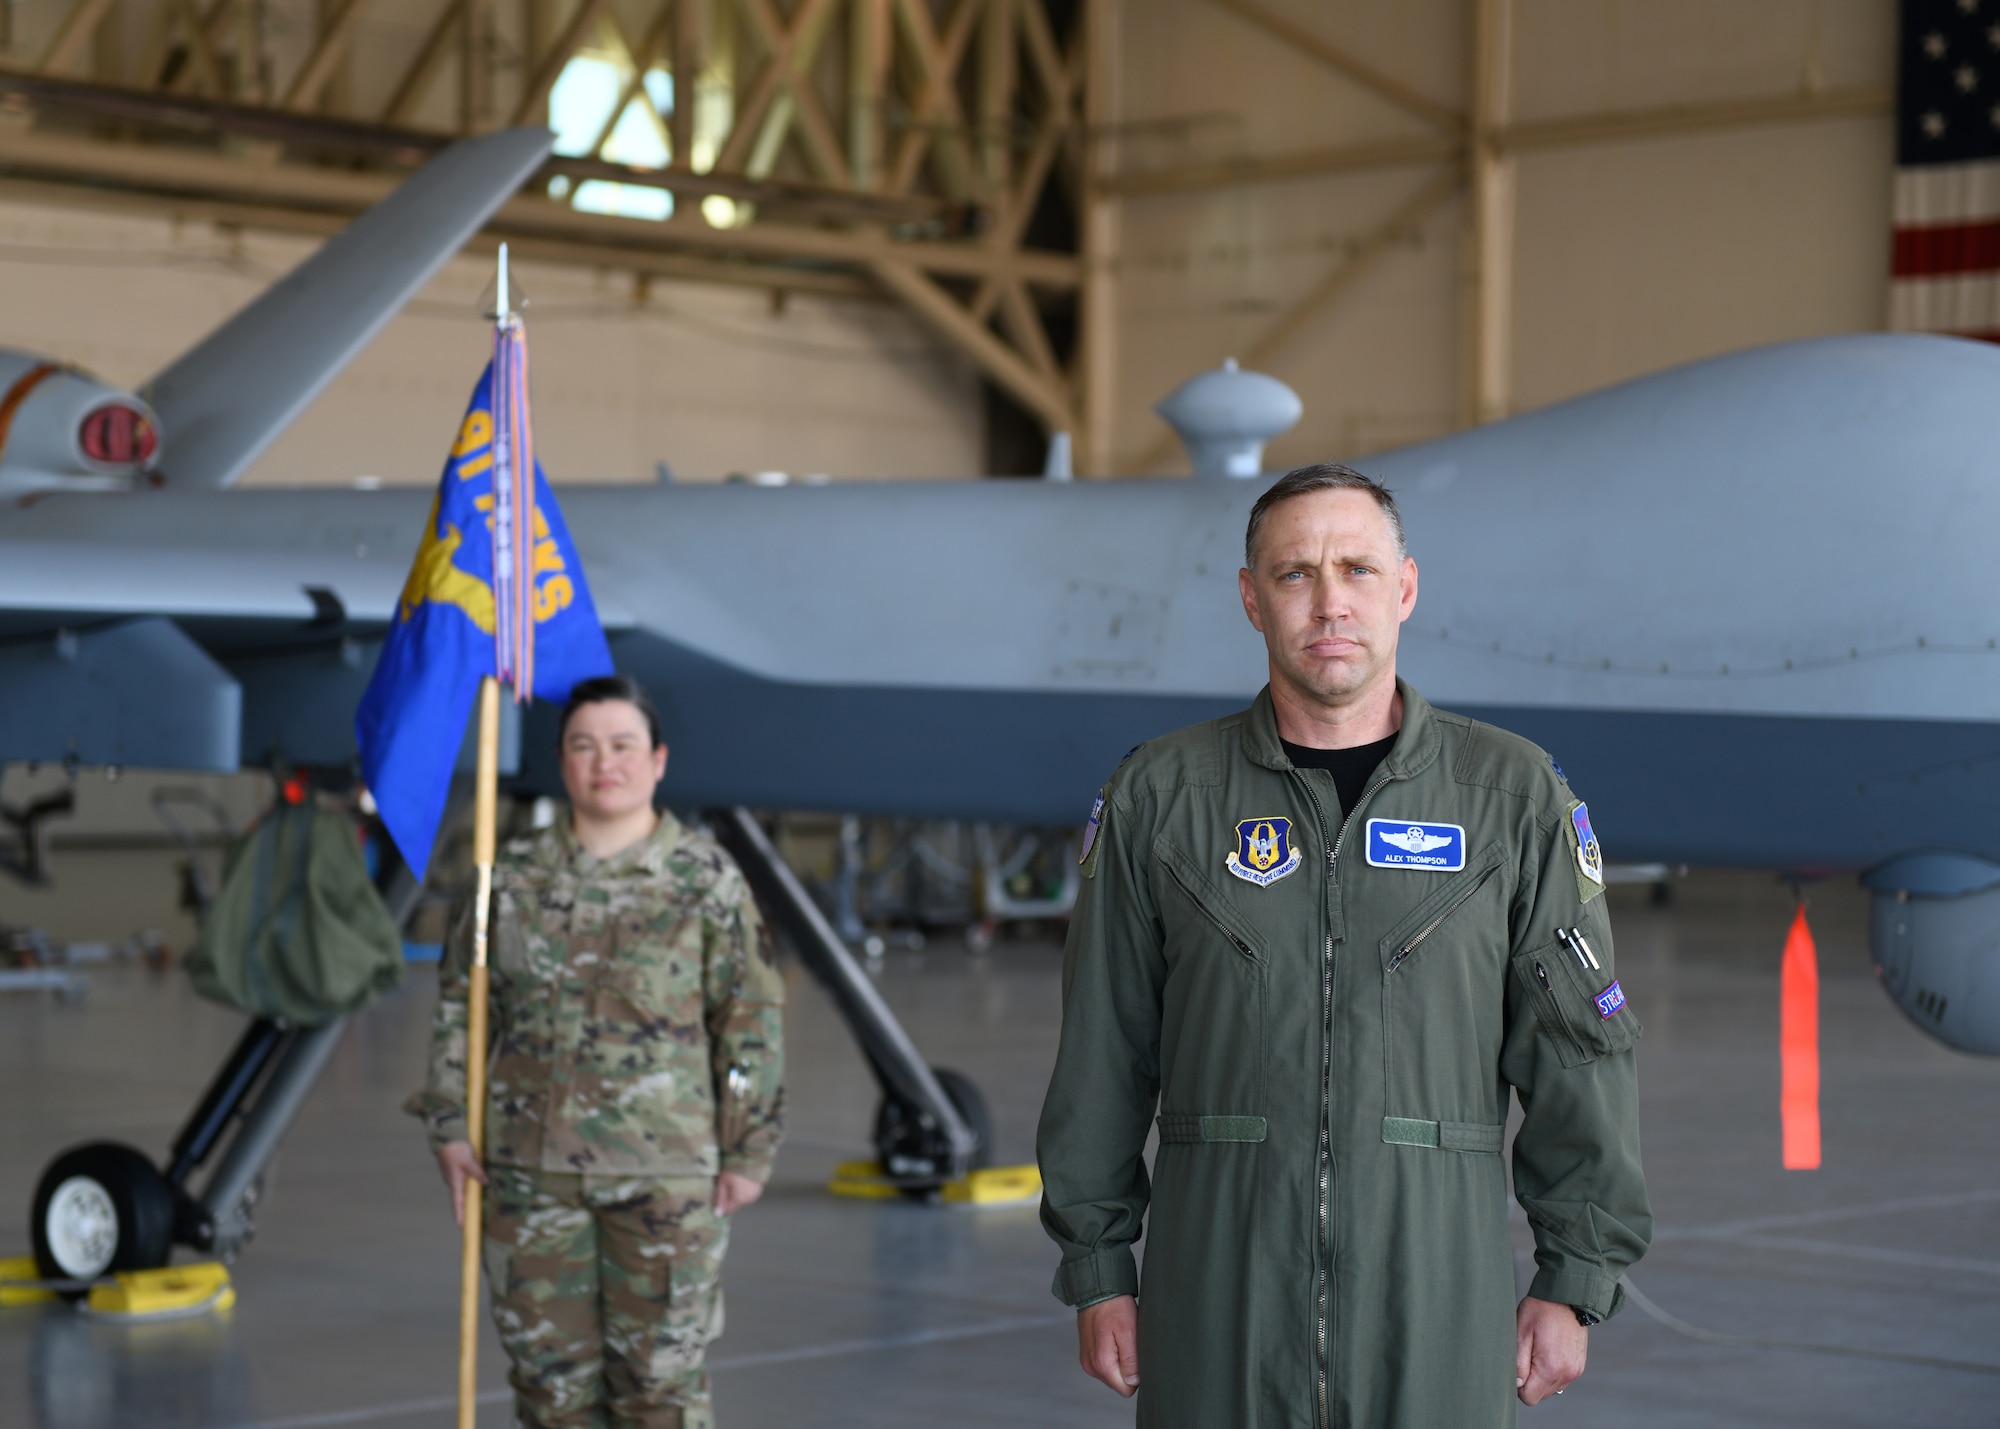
1263,852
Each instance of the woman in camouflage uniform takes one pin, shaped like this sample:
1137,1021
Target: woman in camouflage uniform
634,1084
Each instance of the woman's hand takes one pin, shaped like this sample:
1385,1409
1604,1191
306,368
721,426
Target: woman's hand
456,1161
734,1192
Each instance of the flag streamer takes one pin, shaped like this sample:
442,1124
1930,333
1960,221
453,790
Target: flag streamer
515,536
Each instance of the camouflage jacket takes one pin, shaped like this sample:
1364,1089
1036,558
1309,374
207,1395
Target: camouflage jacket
636,1024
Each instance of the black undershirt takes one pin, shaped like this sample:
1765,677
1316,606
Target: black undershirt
1351,768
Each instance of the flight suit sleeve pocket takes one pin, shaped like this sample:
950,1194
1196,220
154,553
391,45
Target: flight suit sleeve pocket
1583,1012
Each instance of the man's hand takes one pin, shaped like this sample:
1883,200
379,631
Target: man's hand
1549,1349
734,1192
1107,1336
457,1160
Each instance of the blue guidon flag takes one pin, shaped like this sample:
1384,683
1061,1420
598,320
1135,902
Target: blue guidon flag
1263,852
479,601
1412,843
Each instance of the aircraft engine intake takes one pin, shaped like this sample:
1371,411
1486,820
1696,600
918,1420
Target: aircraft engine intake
62,429
1935,933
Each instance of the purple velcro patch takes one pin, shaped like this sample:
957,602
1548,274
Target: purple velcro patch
1610,1000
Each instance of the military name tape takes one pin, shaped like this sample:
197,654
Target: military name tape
1412,843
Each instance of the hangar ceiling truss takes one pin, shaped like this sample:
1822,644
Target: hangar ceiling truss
929,150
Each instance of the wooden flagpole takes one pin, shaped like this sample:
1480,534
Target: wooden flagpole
484,811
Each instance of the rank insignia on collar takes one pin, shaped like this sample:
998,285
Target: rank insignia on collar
1589,857
1263,852
1411,843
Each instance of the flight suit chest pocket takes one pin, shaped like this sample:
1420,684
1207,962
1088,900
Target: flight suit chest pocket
1452,913
1190,892
1583,1010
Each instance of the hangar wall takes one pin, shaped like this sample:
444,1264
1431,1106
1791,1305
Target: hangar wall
707,378
1628,254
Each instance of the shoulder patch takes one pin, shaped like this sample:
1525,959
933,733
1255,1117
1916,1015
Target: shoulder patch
1589,857
1096,822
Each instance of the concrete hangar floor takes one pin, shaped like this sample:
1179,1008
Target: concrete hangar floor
1885,1264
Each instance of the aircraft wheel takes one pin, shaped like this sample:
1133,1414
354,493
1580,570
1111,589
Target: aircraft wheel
98,1208
969,1102
912,1145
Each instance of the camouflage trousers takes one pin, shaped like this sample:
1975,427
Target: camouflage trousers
606,1291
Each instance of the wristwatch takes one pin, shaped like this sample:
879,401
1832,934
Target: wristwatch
1585,1318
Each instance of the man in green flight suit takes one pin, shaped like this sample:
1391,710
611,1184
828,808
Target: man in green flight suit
1324,937
635,1100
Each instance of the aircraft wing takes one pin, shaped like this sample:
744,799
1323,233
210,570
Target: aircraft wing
227,398
196,630
45,588
126,639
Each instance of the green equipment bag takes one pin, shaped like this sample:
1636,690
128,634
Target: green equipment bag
297,931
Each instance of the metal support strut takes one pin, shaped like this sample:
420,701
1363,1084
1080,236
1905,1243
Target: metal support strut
291,1079
900,1069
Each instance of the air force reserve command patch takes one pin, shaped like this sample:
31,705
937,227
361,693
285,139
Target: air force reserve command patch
1410,843
1589,857
1263,852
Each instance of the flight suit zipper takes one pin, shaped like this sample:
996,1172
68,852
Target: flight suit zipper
1326,1076
1431,927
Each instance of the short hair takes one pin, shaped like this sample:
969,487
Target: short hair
603,689
1322,476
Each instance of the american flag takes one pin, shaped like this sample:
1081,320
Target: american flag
1946,268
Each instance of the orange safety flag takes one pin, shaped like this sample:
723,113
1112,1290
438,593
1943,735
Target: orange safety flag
1798,1046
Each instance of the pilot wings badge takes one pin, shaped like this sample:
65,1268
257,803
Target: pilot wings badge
1263,852
1408,843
